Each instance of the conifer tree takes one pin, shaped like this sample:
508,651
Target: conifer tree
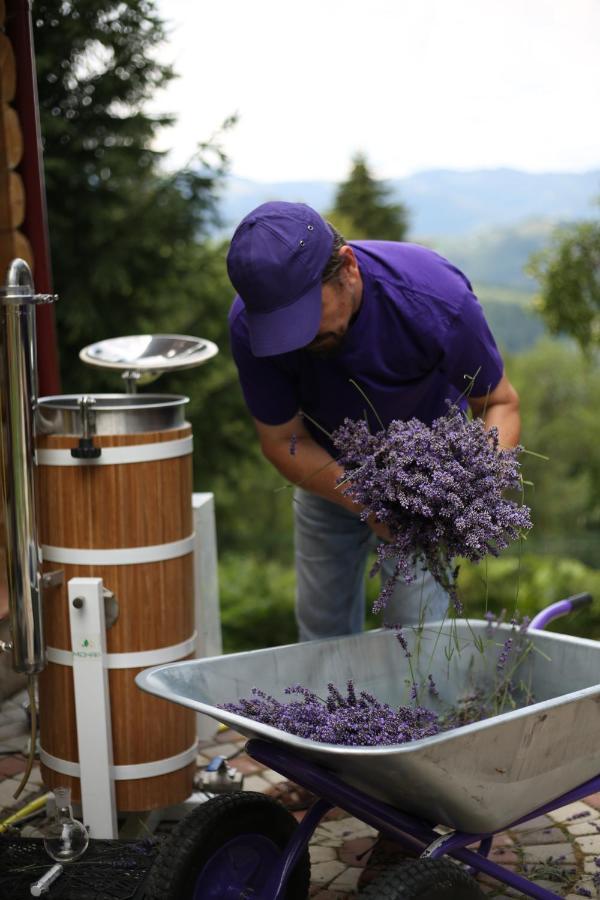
364,207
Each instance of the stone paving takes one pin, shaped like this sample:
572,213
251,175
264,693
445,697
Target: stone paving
557,851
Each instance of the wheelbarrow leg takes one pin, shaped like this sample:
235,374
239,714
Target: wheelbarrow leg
295,848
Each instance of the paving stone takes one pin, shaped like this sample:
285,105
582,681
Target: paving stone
584,827
565,813
329,895
256,783
36,775
542,836
344,827
593,800
318,853
347,880
228,736
543,852
273,777
538,822
7,788
12,765
504,856
325,872
220,750
589,843
356,852
246,765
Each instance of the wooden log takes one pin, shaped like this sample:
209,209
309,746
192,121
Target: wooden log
8,69
13,136
16,199
12,201
23,249
13,243
134,505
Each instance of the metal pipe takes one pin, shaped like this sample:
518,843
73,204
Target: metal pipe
18,378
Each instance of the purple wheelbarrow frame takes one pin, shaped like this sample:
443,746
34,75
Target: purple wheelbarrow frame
412,831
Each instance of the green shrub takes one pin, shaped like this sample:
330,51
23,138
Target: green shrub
528,585
257,595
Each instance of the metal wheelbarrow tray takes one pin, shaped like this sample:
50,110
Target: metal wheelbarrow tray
476,779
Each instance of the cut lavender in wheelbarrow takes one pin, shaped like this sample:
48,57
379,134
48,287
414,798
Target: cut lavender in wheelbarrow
439,489
354,720
358,719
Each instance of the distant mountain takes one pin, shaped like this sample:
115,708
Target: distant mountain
497,255
444,202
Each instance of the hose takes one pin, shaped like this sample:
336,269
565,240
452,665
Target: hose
32,807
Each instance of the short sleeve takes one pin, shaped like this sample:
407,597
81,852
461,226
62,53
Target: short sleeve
270,393
471,351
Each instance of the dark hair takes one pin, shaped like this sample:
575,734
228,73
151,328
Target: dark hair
335,261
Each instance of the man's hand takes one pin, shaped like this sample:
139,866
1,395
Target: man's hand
380,529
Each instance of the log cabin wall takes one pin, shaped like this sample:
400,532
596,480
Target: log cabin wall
12,243
12,193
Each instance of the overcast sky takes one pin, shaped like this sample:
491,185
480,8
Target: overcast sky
415,84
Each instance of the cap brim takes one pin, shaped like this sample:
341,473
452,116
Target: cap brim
288,328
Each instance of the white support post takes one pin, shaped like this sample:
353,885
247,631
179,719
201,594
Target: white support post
206,591
92,706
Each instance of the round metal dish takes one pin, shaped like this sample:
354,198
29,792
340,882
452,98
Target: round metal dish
110,413
149,354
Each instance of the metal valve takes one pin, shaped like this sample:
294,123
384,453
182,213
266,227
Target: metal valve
85,448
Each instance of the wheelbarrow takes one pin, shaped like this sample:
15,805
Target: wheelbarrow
442,797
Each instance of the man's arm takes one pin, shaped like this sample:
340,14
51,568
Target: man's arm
309,466
500,408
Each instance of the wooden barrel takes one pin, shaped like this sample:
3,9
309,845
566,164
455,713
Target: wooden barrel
125,517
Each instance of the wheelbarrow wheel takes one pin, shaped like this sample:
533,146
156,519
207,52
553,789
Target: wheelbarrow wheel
426,879
227,848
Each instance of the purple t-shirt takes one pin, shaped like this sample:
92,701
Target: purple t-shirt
418,337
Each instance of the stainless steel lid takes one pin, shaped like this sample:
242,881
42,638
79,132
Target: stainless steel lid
110,413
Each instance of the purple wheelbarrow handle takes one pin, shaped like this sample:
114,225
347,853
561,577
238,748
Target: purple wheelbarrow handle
561,608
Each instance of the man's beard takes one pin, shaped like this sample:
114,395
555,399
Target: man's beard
329,350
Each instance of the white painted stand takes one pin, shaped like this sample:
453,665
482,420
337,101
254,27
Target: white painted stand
206,592
90,672
92,706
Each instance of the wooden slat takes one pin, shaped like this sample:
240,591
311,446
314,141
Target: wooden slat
130,505
127,505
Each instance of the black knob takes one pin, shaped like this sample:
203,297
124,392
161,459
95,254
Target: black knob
78,602
86,449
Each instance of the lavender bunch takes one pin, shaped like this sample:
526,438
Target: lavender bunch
356,720
440,490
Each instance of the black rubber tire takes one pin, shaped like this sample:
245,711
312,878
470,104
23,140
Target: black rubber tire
207,828
423,879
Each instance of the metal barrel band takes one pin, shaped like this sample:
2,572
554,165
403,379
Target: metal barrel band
122,455
125,772
118,556
135,660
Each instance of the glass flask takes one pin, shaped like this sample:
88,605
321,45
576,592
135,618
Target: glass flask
66,839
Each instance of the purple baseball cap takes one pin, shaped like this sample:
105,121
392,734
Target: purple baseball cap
275,263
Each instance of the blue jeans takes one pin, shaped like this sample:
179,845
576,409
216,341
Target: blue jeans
332,546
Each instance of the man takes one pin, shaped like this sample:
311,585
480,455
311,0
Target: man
322,330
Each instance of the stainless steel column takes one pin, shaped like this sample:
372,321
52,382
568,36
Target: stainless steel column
18,380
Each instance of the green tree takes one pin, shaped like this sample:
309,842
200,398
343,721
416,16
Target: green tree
363,207
120,228
569,275
131,244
